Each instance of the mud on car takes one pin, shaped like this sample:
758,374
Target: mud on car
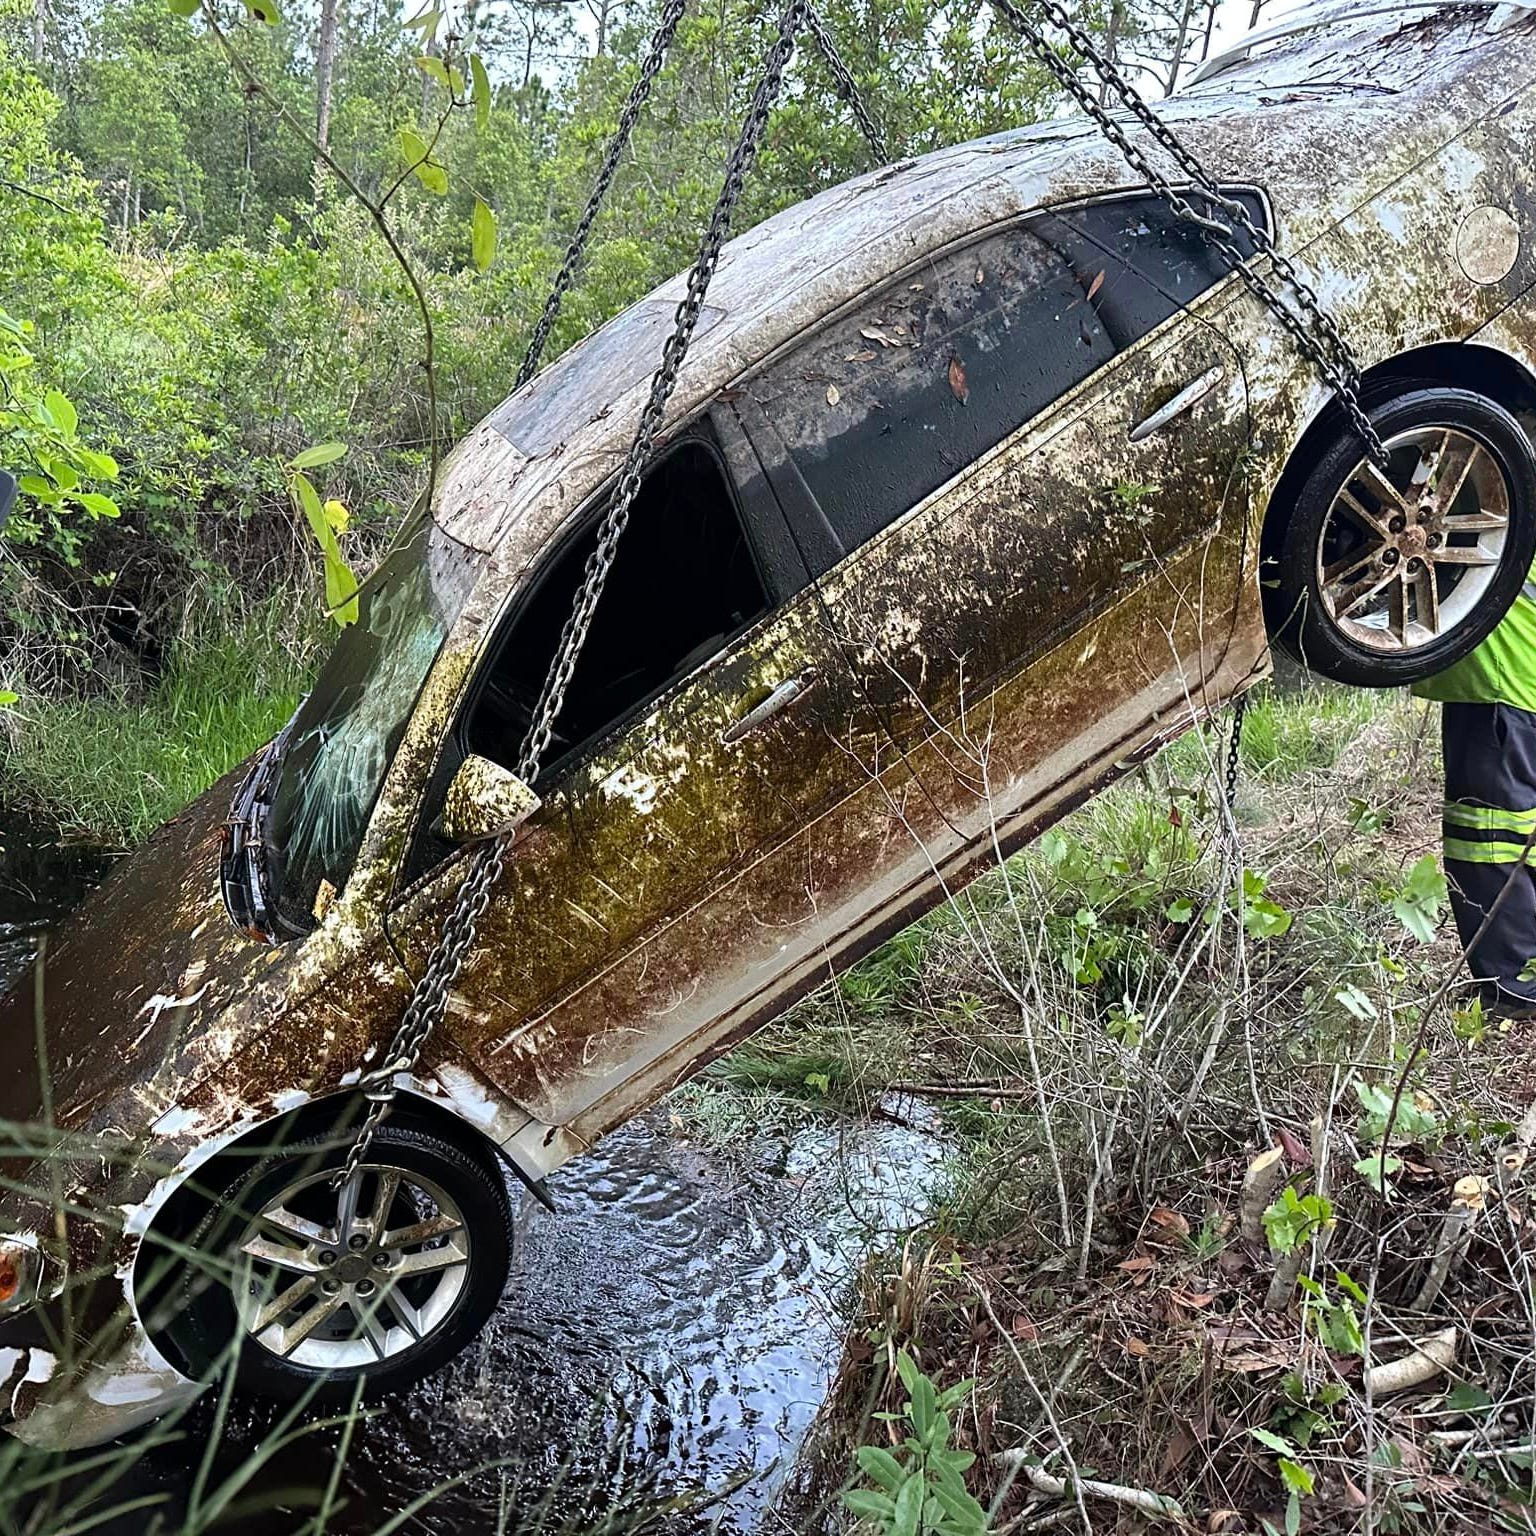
984,477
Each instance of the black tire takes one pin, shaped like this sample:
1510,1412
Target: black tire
1299,621
204,1328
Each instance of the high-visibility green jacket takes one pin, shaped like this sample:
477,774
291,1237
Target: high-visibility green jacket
1502,670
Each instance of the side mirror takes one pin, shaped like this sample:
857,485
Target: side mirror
485,801
7,495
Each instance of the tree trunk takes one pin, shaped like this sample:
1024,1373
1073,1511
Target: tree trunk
325,72
1177,62
1111,46
39,38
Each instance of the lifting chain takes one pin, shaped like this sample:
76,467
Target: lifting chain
429,996
1314,330
661,41
847,87
1235,750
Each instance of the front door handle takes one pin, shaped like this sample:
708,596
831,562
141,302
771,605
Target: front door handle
788,692
1181,404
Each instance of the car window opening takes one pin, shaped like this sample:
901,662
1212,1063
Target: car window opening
684,583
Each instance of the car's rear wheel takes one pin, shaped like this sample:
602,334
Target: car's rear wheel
308,1285
1388,574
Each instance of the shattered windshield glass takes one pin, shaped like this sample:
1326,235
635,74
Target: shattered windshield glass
347,730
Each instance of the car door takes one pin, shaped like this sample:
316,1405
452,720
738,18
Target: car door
993,452
608,944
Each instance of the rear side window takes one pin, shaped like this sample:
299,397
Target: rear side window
898,396
887,403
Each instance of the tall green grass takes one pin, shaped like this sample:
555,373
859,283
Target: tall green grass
112,766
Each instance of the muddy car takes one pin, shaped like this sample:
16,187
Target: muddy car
985,476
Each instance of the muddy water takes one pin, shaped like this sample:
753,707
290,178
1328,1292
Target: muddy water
664,1344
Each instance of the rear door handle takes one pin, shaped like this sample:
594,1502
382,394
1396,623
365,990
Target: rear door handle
1181,404
788,692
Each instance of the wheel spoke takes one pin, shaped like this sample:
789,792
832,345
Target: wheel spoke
1375,477
421,1232
280,1255
375,1330
322,1312
282,1302
1427,589
1447,487
1363,515
289,1225
429,1259
1471,554
1397,608
1336,572
384,1197
346,1207
1362,592
405,1314
1473,522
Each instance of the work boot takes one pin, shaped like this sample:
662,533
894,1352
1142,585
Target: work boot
1503,1002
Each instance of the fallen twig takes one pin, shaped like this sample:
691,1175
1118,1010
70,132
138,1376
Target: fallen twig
1264,1176
1430,1357
1149,1503
1467,1200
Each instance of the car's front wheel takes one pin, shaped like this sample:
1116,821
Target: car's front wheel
1387,574
308,1284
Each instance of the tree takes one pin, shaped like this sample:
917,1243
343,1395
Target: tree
325,69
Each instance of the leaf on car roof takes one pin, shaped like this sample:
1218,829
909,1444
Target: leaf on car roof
957,385
1095,285
832,394
867,355
874,333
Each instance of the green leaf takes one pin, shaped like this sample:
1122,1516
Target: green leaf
877,1463
321,453
1417,906
1295,1476
185,7
1180,911
426,22
96,504
483,239
432,176
264,11
101,465
62,411
1375,1169
952,1397
1275,1442
1464,1397
869,1505
909,1506
7,698
480,88
435,69
309,501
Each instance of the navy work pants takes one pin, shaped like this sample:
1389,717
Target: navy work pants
1490,814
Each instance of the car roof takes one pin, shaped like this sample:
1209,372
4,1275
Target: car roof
1324,30
569,427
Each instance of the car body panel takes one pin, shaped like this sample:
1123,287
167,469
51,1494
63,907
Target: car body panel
170,1033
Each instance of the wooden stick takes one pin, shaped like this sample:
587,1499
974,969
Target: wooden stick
1467,1200
1430,1357
1264,1176
1156,1504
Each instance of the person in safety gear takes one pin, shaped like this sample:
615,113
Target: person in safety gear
1488,731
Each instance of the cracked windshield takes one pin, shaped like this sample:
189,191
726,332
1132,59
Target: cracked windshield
767,769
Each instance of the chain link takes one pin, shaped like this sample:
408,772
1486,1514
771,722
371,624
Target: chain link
661,41
847,87
1323,344
1235,750
429,996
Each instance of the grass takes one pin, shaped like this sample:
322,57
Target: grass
1139,1003
111,766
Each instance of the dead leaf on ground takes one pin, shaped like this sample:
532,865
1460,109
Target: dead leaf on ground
957,385
874,333
1165,1225
1138,1347
1193,1299
866,356
1023,1328
832,394
1138,1268
1297,1151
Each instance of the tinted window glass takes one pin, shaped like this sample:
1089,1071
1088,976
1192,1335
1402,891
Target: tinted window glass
1147,263
888,403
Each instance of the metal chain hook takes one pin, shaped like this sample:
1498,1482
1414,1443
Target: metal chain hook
429,996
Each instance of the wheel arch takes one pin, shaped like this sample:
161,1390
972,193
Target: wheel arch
1472,365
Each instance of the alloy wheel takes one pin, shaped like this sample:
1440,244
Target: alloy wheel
1409,548
340,1279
